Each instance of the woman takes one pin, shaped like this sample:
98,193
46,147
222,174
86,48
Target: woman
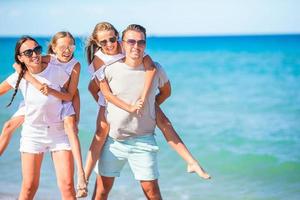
43,129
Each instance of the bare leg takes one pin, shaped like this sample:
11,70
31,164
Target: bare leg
72,132
8,129
177,144
31,167
64,169
151,190
102,188
97,143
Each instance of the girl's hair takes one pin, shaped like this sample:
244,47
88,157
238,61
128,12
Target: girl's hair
134,27
57,36
91,45
21,41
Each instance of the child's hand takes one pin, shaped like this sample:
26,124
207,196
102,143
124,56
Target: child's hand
45,90
17,67
137,106
142,104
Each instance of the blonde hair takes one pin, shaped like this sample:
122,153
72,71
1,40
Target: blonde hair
134,27
57,36
91,45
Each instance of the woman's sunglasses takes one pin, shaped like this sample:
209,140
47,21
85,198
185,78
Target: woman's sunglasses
29,52
103,43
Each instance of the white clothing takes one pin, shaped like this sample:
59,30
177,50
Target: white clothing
20,111
68,67
107,60
127,83
51,138
162,76
68,109
41,111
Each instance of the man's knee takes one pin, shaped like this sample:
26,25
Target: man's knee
151,190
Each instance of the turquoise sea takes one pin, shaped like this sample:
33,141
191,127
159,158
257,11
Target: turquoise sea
235,102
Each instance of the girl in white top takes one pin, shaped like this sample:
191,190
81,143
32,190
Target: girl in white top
104,42
60,50
43,129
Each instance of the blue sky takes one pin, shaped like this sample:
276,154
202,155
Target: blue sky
160,17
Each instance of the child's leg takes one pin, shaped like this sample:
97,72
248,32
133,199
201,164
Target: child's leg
72,132
100,136
64,169
8,129
177,144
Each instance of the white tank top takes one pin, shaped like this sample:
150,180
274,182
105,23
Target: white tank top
68,67
107,59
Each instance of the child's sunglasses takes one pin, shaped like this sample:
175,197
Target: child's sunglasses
103,43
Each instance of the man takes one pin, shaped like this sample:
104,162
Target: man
131,136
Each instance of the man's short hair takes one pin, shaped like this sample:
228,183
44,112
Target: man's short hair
134,27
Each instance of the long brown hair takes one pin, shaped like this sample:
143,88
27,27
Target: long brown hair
91,46
23,66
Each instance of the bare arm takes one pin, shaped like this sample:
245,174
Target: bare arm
164,93
28,77
150,73
115,100
70,86
76,105
46,59
4,87
94,89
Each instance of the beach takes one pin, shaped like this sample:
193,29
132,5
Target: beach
235,103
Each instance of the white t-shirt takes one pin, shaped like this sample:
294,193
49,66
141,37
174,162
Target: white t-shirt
42,110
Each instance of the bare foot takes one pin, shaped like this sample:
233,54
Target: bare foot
82,190
196,168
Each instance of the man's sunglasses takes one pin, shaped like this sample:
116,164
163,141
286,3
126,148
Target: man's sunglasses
103,43
29,52
132,42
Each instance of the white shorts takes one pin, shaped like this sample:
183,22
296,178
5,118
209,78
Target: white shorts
42,139
101,99
67,110
21,110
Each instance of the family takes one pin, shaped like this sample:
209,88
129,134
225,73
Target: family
128,88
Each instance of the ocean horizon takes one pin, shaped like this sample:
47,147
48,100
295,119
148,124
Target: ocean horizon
235,103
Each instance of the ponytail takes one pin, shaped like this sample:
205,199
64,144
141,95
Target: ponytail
90,49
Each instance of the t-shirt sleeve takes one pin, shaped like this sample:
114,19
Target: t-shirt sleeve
107,73
12,79
162,76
